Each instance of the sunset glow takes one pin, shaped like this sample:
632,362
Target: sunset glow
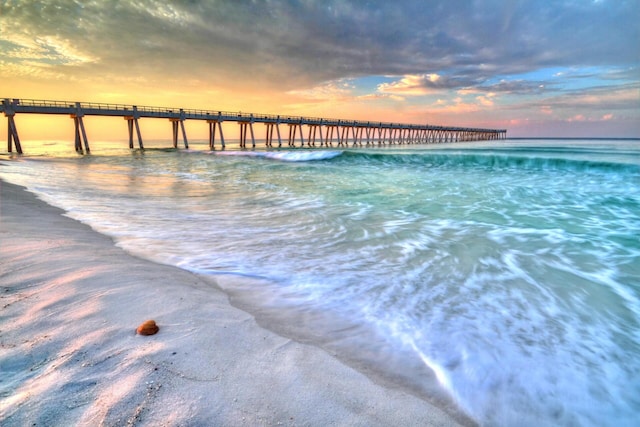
561,68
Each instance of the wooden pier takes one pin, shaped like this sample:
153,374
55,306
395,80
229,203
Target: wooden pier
321,132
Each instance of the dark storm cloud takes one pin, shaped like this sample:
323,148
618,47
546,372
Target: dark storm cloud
297,43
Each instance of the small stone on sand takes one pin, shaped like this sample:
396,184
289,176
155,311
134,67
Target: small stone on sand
149,327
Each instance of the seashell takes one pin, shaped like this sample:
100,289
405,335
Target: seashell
149,327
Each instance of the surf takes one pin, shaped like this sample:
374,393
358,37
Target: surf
480,268
285,156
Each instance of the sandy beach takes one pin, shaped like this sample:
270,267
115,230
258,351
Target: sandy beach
69,355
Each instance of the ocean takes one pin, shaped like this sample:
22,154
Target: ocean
501,278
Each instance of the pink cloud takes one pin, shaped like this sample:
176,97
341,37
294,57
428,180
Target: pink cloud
411,84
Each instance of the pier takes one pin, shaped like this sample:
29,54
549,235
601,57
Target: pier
320,132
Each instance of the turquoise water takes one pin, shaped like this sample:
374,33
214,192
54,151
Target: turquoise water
500,278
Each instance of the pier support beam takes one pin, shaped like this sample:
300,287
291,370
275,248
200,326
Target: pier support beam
174,125
343,137
221,134
212,133
392,135
292,134
12,135
269,136
243,134
268,139
80,134
329,139
174,131
135,121
293,129
311,138
131,122
353,134
301,135
278,132
359,134
12,130
130,127
184,134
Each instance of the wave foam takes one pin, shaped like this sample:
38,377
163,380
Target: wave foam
286,156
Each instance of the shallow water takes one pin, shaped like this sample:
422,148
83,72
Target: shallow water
506,273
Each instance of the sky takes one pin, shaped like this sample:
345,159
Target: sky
554,68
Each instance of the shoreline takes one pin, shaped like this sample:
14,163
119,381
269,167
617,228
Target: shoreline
71,301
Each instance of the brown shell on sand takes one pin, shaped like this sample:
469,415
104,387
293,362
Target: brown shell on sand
149,327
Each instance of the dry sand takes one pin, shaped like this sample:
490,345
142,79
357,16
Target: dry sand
70,304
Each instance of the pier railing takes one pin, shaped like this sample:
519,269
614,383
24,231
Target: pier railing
339,131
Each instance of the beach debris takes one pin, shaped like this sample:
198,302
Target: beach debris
148,327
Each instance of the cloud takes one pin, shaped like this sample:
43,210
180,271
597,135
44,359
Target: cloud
546,109
329,91
460,105
577,118
485,100
293,44
592,119
554,60
45,49
518,86
420,84
30,70
598,98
